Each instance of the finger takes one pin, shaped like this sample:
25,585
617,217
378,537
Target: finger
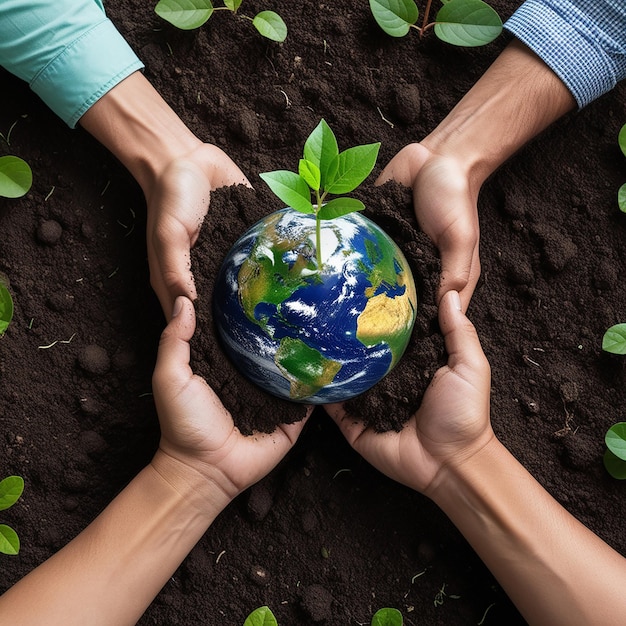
172,364
404,166
461,340
460,261
170,264
350,427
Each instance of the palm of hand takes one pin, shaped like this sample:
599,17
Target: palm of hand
177,205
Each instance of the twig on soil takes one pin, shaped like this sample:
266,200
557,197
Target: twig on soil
219,556
49,193
384,118
54,343
482,621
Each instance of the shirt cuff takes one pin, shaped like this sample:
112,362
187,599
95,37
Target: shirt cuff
573,52
84,71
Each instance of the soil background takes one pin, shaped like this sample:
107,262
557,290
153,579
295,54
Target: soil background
324,538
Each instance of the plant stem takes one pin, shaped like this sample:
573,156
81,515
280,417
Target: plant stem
426,14
318,230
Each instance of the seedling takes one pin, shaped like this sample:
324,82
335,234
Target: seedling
6,304
191,14
621,193
324,170
387,617
615,455
11,489
263,616
16,177
614,339
467,23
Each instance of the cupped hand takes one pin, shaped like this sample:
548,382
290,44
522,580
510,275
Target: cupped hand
177,204
452,423
446,210
196,430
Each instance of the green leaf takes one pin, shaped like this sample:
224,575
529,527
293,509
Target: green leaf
270,25
6,309
621,139
467,23
387,617
11,489
261,617
616,440
9,541
395,17
621,198
16,177
291,188
614,339
354,165
614,465
321,148
338,207
184,14
311,173
233,5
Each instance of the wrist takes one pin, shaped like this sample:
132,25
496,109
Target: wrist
197,489
140,129
516,99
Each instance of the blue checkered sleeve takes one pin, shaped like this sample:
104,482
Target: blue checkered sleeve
582,41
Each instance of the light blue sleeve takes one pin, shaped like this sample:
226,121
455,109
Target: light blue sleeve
582,41
68,51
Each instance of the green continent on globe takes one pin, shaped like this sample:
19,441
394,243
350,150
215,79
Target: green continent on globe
258,273
306,369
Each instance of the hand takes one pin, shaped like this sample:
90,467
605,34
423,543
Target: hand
446,210
452,423
177,204
197,433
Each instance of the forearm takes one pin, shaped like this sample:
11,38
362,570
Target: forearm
140,129
517,98
552,567
111,572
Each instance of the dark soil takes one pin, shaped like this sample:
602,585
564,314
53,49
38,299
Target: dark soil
324,538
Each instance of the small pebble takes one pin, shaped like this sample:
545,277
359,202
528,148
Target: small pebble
49,232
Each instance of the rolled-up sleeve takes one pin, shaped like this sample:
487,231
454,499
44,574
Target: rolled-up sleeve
582,41
68,51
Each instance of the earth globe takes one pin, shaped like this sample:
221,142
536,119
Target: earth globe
314,334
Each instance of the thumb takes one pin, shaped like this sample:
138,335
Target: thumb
461,340
172,363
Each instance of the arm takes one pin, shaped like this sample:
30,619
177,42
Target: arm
135,545
535,81
555,569
73,57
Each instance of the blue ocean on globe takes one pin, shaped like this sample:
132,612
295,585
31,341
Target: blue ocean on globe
308,335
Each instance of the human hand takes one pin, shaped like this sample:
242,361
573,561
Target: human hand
177,203
451,425
446,210
198,437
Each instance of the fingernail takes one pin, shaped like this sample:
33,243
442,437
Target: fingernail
456,300
178,306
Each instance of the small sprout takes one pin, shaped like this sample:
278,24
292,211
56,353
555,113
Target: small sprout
261,617
191,14
11,489
324,170
621,139
6,305
614,339
16,177
325,552
387,617
615,456
467,23
621,193
621,198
